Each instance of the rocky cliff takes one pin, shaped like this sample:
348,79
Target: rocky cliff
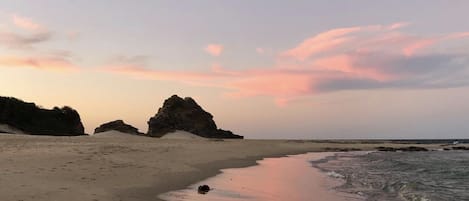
32,119
185,114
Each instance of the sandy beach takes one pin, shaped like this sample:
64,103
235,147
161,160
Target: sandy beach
117,166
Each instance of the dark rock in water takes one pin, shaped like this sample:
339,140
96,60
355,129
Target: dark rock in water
203,189
32,119
386,149
460,148
185,114
407,149
412,148
117,125
336,149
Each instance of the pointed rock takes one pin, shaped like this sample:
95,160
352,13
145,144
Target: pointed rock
185,114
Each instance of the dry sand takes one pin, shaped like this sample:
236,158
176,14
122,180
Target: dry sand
115,166
182,135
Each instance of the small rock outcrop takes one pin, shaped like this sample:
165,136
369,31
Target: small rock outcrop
117,125
32,119
185,114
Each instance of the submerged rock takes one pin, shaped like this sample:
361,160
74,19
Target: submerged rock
117,125
185,114
32,119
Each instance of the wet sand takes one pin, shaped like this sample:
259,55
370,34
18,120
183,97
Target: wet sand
290,178
124,167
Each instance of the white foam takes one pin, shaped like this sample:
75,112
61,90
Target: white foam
335,175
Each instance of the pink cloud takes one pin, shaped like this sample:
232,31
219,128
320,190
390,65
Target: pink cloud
398,25
270,83
457,35
351,39
423,43
24,41
321,42
412,48
366,57
35,33
26,23
42,63
214,49
347,65
260,50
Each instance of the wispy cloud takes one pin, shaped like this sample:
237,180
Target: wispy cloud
321,42
23,36
129,60
214,49
210,77
398,25
20,41
33,33
38,62
351,58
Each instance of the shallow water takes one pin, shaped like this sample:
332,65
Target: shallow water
402,176
274,179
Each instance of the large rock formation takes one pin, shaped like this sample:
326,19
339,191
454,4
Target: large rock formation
117,125
32,119
185,114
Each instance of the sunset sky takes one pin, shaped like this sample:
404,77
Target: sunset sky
264,69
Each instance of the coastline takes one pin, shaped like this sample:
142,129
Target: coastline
125,167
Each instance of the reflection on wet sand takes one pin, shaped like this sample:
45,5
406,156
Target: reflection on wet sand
274,179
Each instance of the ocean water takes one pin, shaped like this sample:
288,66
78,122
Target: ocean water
291,178
343,176
401,176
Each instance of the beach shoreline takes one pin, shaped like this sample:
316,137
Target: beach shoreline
290,177
126,167
208,170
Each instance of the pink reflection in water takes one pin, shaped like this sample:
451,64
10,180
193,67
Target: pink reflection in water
274,179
